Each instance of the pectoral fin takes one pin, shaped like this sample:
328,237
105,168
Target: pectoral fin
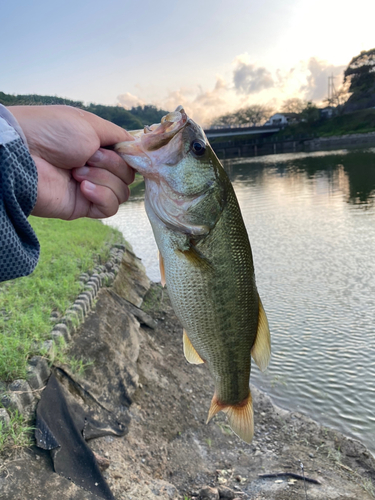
240,416
261,350
196,258
190,353
162,270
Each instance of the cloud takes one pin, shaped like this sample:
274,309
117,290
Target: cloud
248,78
246,83
129,101
318,71
201,105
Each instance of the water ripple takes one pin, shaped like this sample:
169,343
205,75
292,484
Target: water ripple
310,218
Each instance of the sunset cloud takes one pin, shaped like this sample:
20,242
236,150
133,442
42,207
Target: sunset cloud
129,100
247,83
318,71
201,105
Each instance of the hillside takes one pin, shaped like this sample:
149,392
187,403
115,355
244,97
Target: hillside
136,117
358,122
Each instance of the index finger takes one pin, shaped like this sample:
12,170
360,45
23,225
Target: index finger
111,161
107,132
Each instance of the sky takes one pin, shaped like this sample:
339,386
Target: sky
211,56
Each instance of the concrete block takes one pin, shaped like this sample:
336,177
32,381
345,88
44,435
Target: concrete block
63,329
23,391
4,417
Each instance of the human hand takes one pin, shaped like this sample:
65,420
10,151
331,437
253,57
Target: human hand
76,176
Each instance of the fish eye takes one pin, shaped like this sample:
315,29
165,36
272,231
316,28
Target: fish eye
198,148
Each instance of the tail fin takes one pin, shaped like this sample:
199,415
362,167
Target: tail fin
240,416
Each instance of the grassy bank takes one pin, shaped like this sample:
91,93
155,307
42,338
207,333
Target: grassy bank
26,304
359,122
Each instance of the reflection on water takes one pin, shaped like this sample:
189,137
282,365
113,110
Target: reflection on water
311,222
352,173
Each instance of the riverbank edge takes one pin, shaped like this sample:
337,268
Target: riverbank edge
340,141
349,447
294,145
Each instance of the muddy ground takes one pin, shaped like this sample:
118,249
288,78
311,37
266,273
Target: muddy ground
169,441
170,453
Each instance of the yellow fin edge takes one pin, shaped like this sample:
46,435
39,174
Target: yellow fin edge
162,270
190,353
261,350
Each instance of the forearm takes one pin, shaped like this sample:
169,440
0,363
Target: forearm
19,247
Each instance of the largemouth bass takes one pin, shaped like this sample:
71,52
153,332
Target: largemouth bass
205,259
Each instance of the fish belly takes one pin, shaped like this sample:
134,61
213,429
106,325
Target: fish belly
215,297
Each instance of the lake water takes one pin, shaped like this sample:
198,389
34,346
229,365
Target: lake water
311,223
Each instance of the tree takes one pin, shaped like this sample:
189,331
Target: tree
36,100
311,113
253,115
116,114
360,75
148,114
293,105
256,114
228,120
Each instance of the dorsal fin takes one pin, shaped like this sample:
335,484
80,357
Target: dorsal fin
162,270
190,353
261,350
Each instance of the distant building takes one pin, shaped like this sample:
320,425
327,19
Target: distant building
327,112
283,119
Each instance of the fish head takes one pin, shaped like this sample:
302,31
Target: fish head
185,182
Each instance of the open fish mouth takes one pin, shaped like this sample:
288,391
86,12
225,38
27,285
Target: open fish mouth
154,137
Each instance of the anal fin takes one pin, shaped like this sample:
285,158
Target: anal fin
190,353
261,350
240,416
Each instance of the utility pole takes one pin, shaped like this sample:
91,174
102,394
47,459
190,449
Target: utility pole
333,98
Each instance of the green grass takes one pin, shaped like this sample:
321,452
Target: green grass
67,250
78,365
17,434
358,122
368,487
138,185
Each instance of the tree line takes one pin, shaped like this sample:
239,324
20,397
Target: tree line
132,119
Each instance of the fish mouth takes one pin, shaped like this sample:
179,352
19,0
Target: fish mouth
147,145
157,136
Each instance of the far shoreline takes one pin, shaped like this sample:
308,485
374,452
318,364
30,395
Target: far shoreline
294,145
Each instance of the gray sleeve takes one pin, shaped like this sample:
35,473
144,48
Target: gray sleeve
7,116
19,247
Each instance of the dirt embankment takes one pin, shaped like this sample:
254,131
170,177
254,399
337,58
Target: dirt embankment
342,141
140,375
